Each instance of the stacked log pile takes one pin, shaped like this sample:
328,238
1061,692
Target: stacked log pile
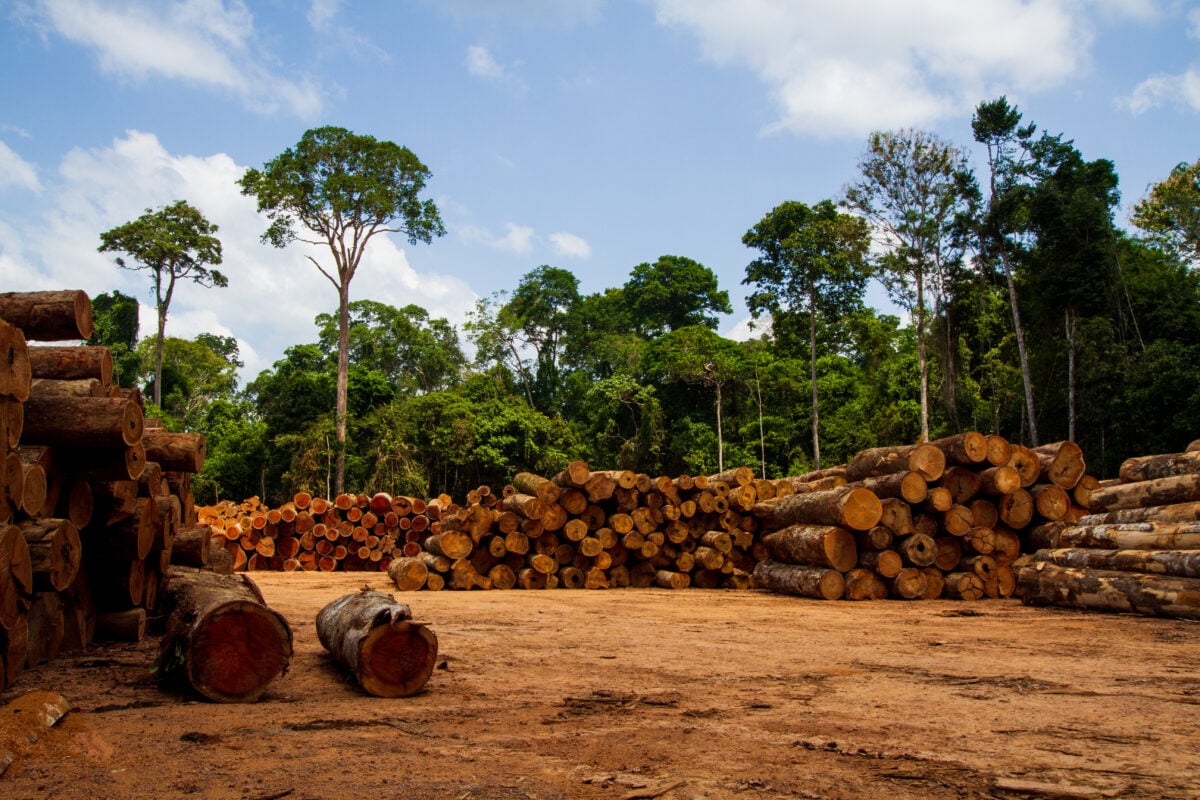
1139,549
920,521
940,519
91,496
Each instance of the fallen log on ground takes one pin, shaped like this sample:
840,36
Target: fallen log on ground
375,638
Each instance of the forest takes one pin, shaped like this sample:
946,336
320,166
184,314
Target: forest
1030,312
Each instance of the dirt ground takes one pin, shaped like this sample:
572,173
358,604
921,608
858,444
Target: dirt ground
650,693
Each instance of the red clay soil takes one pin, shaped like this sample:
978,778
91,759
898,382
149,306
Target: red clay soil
650,693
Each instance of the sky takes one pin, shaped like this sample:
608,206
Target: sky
591,135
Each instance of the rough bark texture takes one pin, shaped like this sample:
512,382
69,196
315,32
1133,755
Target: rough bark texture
53,316
1103,590
822,584
849,507
818,546
1179,563
374,637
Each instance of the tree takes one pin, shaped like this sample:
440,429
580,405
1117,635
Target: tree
813,262
1170,213
538,312
339,190
672,293
116,326
176,242
911,191
194,375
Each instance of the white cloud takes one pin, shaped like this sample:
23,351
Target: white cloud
481,64
845,67
16,171
748,328
570,245
516,239
205,42
322,12
273,295
1157,90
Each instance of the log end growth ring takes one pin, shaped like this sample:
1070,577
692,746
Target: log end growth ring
862,509
396,660
237,651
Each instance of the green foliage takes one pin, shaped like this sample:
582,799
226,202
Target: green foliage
672,293
1170,213
115,326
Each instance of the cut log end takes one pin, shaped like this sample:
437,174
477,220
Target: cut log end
396,660
237,652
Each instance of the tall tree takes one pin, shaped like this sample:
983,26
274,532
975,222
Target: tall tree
116,327
1170,212
339,190
173,243
813,263
911,191
672,293
539,311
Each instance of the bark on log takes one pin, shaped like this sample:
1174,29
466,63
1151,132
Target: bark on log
1179,512
82,422
12,421
1157,492
1179,563
962,483
45,620
16,371
85,387
926,459
72,363
542,488
1101,590
221,638
16,576
822,584
1133,536
818,546
12,485
908,486
374,637
177,452
963,586
55,552
1147,468
999,481
967,448
191,547
847,507
53,316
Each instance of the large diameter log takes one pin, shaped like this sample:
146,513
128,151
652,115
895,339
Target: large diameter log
53,316
221,638
1133,536
85,387
1026,463
1061,463
1157,492
963,585
542,488
16,576
1148,468
374,637
16,371
1044,584
816,582
847,506
962,483
923,458
908,485
12,421
177,452
967,448
83,421
191,547
910,584
818,546
1179,563
72,363
55,552
46,628
409,574
886,563
1050,500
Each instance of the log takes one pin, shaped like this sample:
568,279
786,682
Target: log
1050,501
739,476
878,538
863,584
963,586
177,452
815,582
34,488
999,481
46,626
885,563
55,552
191,547
85,387
574,476
542,488
948,553
14,646
1016,509
999,450
896,516
374,637
917,550
926,459
53,316
71,363
82,422
12,485
818,546
847,507
1133,536
16,576
967,448
957,520
1157,492
16,371
408,574
962,483
1061,463
908,486
1178,512
669,579
221,638
1147,468
909,584
1026,463
1178,563
12,421
1044,584
939,499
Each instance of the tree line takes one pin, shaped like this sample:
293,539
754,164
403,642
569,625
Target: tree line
1030,313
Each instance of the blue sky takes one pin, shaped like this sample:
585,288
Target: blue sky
592,135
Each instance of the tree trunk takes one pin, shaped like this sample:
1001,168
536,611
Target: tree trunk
177,452
374,637
343,372
83,422
963,449
963,585
16,369
53,316
818,546
822,584
922,357
962,483
1050,501
1102,590
812,352
1179,512
191,547
1132,536
16,575
1157,492
55,552
221,638
925,459
1148,468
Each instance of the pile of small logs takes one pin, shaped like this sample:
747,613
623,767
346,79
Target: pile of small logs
940,519
92,495
1139,549
918,521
